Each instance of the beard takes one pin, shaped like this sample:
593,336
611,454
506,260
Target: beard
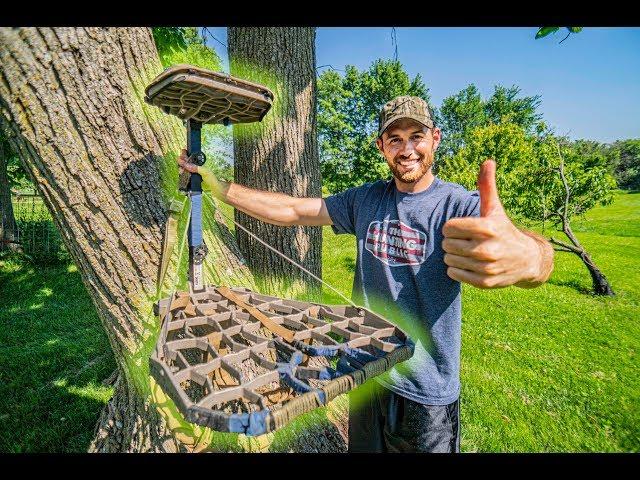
416,171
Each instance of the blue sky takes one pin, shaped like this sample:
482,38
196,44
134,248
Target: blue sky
589,85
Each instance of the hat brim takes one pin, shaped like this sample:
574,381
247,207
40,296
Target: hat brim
429,123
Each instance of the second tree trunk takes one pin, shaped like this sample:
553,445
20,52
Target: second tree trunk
279,154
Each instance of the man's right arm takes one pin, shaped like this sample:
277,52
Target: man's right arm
270,207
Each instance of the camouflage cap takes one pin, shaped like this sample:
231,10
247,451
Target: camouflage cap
405,106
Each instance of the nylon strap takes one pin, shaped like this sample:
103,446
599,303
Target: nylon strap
170,235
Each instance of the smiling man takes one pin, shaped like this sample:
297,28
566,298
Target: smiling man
418,237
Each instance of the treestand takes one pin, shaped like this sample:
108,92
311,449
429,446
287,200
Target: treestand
232,359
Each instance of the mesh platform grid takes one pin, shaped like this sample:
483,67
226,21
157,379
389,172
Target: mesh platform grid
225,370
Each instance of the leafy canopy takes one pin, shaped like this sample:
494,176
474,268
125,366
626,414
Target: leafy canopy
528,177
544,31
466,110
624,157
16,174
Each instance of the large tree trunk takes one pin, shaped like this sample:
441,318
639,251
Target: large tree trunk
104,162
71,104
8,227
279,154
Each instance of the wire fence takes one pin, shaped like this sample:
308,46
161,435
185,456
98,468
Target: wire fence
27,227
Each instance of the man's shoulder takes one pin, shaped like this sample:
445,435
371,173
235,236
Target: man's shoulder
365,188
453,189
462,201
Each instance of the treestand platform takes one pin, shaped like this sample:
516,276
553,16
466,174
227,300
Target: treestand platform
226,370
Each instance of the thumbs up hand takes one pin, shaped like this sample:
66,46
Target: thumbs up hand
489,251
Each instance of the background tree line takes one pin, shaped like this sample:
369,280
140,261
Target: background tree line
349,102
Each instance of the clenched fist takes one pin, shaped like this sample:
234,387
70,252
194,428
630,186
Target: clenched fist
489,251
184,163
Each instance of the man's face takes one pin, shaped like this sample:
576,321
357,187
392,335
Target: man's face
408,146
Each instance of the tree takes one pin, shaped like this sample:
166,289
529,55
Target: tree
348,109
280,153
537,183
512,149
104,162
461,113
8,226
624,157
581,181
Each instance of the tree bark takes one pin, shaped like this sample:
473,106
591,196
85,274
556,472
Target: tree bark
279,154
71,105
8,227
600,283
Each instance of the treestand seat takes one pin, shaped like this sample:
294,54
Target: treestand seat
205,96
238,361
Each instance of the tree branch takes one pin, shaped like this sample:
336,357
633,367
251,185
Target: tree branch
564,38
571,248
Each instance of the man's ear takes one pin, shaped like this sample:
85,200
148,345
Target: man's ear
379,145
437,136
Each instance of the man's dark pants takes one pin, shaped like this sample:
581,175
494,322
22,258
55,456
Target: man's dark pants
383,421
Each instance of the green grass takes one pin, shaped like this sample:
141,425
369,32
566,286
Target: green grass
551,369
53,357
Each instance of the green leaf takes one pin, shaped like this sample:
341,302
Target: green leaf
544,31
574,29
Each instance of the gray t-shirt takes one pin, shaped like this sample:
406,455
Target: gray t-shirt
400,273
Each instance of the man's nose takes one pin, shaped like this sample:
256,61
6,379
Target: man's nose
407,149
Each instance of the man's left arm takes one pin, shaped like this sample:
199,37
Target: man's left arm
489,251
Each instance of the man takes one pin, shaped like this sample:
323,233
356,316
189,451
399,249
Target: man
418,238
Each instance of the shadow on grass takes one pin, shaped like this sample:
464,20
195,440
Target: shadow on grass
574,284
53,356
349,263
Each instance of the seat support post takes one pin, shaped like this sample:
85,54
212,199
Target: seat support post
197,249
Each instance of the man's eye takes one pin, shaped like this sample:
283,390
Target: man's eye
395,140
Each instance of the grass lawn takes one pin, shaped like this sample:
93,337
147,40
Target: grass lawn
53,357
547,369
551,369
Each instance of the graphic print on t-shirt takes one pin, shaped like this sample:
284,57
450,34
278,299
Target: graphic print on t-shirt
396,243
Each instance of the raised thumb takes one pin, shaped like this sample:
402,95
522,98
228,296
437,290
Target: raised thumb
489,200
